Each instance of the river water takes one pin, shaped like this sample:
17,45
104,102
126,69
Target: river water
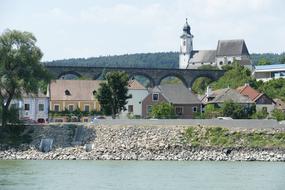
137,175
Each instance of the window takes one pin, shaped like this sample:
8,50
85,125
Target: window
71,107
202,63
87,108
56,107
67,93
229,62
94,92
154,97
149,108
184,42
194,109
14,106
130,109
221,62
85,120
27,107
178,110
41,107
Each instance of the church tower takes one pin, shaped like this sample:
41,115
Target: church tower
186,46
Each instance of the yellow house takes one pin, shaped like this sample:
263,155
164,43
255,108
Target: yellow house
73,94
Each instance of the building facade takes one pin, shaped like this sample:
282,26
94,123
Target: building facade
185,103
33,108
134,106
227,52
74,94
268,72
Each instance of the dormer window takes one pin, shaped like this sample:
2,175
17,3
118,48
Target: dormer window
67,93
94,92
155,97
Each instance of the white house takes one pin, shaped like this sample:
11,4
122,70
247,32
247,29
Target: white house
268,72
227,52
33,107
134,105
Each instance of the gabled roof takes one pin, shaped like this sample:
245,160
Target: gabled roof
232,48
228,94
247,90
135,85
78,89
177,94
203,56
279,104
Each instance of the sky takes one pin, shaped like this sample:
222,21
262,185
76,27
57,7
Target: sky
90,28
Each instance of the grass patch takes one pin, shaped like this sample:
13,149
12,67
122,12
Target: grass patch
224,138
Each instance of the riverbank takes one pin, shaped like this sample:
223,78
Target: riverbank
151,143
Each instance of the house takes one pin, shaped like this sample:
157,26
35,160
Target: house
227,52
218,97
74,94
268,72
32,107
279,104
262,101
185,103
134,105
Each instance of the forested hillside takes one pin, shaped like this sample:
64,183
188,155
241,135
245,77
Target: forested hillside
155,60
141,60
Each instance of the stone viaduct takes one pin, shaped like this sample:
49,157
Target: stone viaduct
155,75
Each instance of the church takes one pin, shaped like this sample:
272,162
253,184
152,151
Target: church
227,52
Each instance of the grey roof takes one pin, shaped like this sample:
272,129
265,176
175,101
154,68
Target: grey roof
178,94
228,94
231,48
203,56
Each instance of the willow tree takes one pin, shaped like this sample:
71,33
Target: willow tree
20,68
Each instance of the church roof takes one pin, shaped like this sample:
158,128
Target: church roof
203,56
231,48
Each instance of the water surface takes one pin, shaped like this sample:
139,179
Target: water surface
137,175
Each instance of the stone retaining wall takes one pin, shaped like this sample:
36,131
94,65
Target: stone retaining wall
138,143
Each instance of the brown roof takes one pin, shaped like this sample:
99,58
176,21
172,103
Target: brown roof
78,89
227,94
135,85
247,90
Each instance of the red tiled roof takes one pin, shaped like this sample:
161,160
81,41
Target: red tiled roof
247,90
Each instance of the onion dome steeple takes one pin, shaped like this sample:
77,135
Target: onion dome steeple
186,28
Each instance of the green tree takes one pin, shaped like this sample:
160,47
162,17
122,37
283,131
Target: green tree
263,61
236,111
20,68
208,67
279,115
236,76
113,94
200,85
282,60
163,110
274,88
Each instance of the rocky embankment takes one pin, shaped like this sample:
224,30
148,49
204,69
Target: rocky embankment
132,143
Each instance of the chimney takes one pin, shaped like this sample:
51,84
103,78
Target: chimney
208,91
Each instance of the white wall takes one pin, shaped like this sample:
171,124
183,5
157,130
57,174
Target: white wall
136,101
33,113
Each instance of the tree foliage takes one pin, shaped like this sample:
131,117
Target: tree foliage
274,88
200,85
279,115
163,110
234,77
236,111
113,94
20,68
